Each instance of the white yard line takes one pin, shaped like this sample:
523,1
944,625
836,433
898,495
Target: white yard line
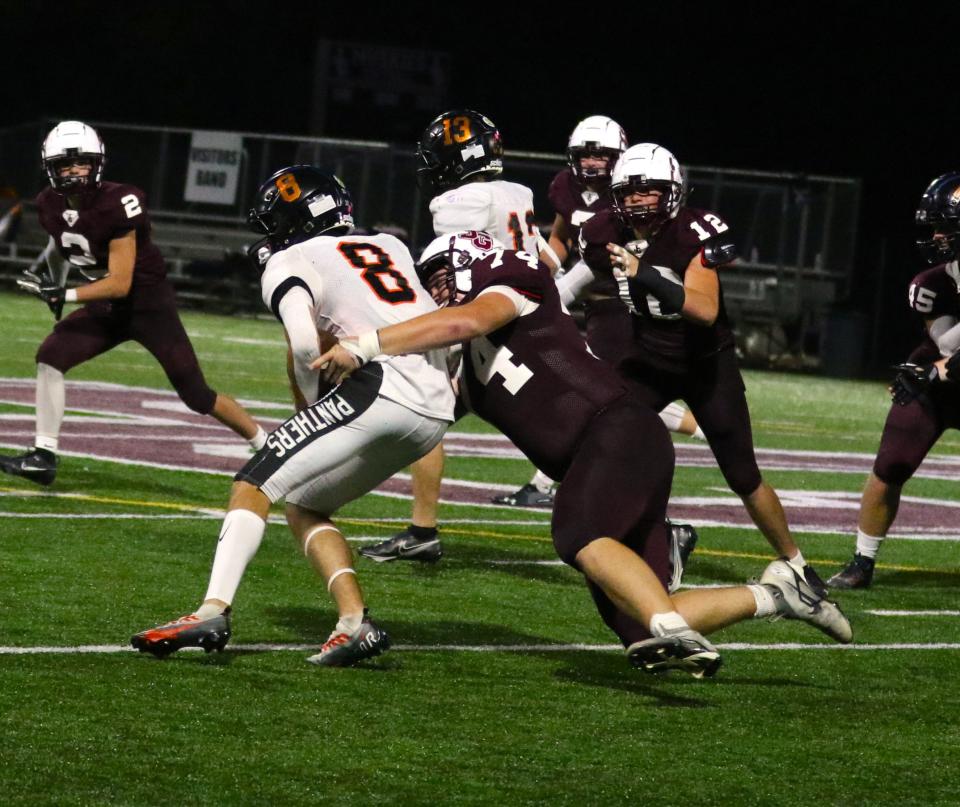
912,613
487,648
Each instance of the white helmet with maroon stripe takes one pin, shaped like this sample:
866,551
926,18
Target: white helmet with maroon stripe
645,169
444,266
596,136
71,141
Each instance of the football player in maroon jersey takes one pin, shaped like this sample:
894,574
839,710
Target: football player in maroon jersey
923,405
102,229
528,372
662,259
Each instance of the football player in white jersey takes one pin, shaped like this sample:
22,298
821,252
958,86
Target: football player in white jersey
322,281
459,162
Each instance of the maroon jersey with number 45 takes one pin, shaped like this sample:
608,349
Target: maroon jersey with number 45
83,236
534,378
935,292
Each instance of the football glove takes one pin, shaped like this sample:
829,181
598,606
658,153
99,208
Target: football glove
911,381
48,291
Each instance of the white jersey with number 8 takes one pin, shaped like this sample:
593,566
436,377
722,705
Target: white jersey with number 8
360,283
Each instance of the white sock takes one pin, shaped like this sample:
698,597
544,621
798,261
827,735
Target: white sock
259,440
208,611
797,561
868,545
699,435
672,416
666,623
239,541
766,603
349,623
542,482
51,401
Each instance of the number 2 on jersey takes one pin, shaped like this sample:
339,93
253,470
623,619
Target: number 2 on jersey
377,266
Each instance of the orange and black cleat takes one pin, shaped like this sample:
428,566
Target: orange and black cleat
187,631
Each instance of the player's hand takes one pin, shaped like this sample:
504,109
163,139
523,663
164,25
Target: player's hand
52,294
911,381
339,362
622,260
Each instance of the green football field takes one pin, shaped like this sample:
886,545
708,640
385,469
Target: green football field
504,686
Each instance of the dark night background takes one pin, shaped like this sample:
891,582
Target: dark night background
861,89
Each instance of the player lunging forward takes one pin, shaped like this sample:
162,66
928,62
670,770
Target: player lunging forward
528,371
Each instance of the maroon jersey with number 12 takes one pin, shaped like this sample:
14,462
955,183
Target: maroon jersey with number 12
83,236
665,340
534,378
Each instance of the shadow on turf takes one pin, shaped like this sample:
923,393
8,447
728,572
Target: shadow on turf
611,671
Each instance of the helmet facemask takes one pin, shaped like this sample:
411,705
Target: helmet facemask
650,215
69,143
594,175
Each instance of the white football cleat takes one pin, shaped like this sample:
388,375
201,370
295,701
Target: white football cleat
796,599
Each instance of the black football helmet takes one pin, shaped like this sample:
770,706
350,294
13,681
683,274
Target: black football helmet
456,145
938,219
298,203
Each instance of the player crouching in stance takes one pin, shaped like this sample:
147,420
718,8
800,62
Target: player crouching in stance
527,371
103,230
319,276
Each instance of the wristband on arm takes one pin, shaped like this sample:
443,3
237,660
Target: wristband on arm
364,348
649,281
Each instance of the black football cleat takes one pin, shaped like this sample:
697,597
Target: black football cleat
684,650
343,650
527,496
404,546
187,631
683,538
815,581
858,573
38,465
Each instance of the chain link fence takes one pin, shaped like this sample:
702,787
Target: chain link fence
796,234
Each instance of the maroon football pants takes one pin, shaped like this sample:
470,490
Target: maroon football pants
102,325
617,487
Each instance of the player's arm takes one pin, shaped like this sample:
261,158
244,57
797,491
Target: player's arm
559,241
945,332
116,283
438,329
295,310
701,288
299,402
697,300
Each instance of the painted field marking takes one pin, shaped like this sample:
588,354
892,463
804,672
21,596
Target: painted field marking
912,613
388,524
485,648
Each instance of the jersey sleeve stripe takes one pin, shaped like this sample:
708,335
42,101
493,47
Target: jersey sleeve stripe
282,289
